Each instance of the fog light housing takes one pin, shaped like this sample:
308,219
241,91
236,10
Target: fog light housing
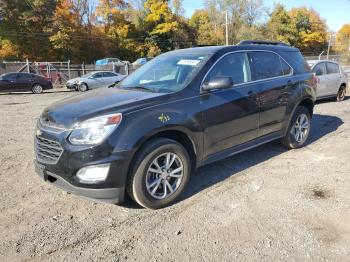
93,174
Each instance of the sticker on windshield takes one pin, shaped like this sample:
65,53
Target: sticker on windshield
189,62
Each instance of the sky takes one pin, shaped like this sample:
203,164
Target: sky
335,12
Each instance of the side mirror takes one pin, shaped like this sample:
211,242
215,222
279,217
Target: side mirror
221,82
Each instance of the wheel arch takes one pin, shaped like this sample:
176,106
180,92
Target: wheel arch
307,102
177,135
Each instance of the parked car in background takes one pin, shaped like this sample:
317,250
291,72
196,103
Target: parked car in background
20,82
147,134
94,80
108,61
141,61
331,79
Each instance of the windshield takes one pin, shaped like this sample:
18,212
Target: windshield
167,73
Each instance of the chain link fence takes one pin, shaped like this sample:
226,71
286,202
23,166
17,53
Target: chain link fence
60,72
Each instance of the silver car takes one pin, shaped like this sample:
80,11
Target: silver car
331,79
94,80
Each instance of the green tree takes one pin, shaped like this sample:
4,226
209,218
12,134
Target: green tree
26,25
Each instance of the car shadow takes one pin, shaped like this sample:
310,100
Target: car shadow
209,175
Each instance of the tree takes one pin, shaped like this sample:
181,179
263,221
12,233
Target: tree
311,30
301,27
26,24
343,39
280,26
206,31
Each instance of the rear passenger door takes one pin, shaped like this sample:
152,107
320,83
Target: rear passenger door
273,76
109,78
334,78
320,71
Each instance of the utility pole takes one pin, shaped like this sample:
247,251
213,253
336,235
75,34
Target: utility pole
226,26
329,45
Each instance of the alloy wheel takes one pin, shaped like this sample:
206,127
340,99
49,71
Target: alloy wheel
37,89
300,128
164,175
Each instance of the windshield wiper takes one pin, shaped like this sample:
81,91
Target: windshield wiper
140,87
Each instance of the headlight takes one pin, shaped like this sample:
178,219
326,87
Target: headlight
93,131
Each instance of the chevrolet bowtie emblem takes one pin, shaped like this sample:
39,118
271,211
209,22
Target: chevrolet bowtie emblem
38,132
164,118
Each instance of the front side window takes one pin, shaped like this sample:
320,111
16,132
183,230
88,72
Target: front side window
265,65
23,76
332,68
166,73
11,76
98,75
320,69
234,65
109,74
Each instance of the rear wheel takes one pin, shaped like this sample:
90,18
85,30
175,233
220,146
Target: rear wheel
298,130
341,93
83,87
159,174
37,89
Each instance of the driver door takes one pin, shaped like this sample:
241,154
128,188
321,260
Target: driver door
230,116
97,80
8,82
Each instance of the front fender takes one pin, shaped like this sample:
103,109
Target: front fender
139,126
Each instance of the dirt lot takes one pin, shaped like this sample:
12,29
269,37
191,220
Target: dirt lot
266,204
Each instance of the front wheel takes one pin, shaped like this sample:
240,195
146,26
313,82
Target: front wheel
83,87
298,130
159,174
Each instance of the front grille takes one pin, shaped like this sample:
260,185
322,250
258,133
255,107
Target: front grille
47,150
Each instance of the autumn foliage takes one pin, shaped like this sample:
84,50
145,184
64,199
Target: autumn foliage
86,30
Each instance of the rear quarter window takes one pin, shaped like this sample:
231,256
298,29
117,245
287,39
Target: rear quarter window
297,61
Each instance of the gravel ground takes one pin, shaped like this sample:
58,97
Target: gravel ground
266,204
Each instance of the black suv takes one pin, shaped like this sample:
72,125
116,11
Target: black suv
182,110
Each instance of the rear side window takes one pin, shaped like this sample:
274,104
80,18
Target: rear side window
234,65
265,65
320,69
332,68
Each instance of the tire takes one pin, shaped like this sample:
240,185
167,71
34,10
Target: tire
83,87
341,94
149,189
292,140
37,89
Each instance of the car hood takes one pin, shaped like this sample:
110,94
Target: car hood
101,101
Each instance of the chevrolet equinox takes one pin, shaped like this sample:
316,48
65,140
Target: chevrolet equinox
182,110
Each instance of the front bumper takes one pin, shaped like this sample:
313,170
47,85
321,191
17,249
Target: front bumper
106,195
71,86
70,159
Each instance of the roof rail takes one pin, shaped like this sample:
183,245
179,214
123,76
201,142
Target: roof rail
261,42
